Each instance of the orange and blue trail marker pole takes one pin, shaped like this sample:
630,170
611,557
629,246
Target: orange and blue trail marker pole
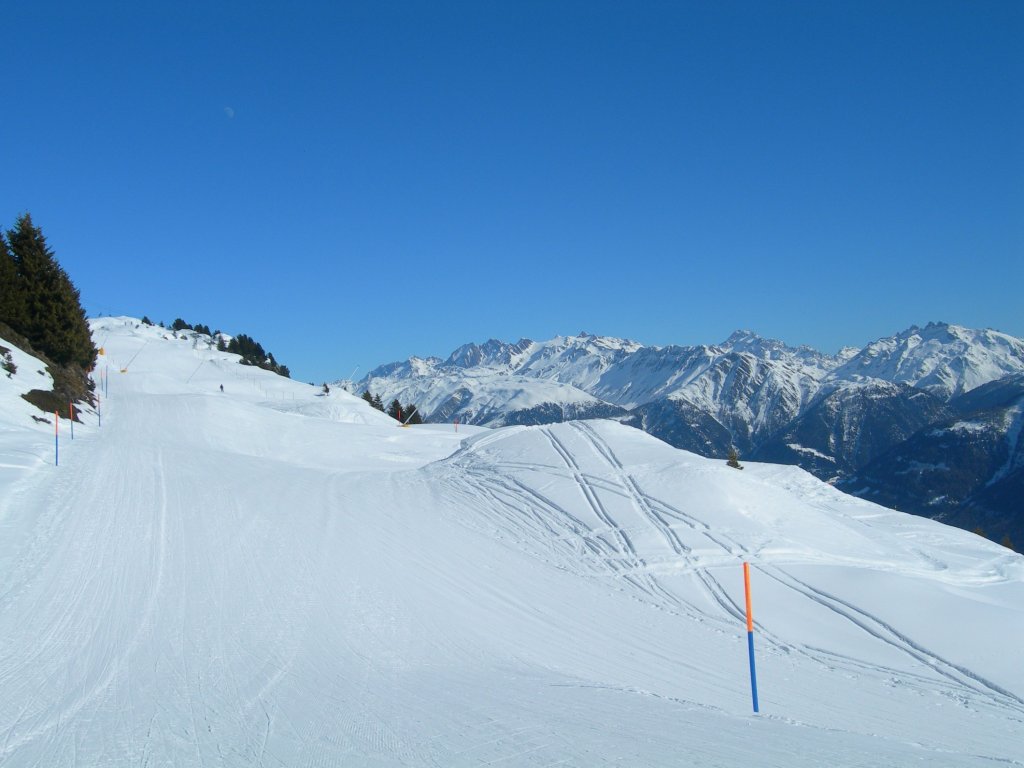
750,634
56,439
71,411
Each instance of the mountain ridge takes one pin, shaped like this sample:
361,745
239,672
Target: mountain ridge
832,414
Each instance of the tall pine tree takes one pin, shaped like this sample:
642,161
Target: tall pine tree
10,290
395,409
48,309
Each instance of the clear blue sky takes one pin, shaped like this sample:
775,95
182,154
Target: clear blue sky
353,183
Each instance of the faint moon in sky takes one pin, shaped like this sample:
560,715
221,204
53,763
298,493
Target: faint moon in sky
229,112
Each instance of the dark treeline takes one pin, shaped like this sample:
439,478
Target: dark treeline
250,350
252,354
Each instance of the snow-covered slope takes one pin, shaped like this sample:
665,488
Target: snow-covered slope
23,429
946,360
752,385
480,398
496,383
267,576
726,400
746,381
847,426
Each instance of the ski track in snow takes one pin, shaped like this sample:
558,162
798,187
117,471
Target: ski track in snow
269,578
616,479
886,633
647,509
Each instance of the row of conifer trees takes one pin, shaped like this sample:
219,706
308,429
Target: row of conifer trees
407,414
251,351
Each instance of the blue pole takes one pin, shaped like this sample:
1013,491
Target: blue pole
753,672
750,634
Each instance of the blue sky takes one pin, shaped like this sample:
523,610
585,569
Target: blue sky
353,183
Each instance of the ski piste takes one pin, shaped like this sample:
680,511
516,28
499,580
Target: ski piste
274,575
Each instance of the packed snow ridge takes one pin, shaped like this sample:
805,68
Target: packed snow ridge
273,575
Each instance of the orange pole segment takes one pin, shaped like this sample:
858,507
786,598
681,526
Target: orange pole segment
746,588
750,635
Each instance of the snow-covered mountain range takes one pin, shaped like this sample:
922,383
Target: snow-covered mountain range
231,568
831,414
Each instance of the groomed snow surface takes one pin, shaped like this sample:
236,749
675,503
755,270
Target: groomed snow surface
271,576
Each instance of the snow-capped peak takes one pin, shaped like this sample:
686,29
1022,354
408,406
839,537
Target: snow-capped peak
491,353
772,349
947,360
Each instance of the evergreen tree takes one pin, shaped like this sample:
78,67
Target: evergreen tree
412,414
251,351
734,459
374,400
10,289
51,316
395,410
146,320
1008,542
180,325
